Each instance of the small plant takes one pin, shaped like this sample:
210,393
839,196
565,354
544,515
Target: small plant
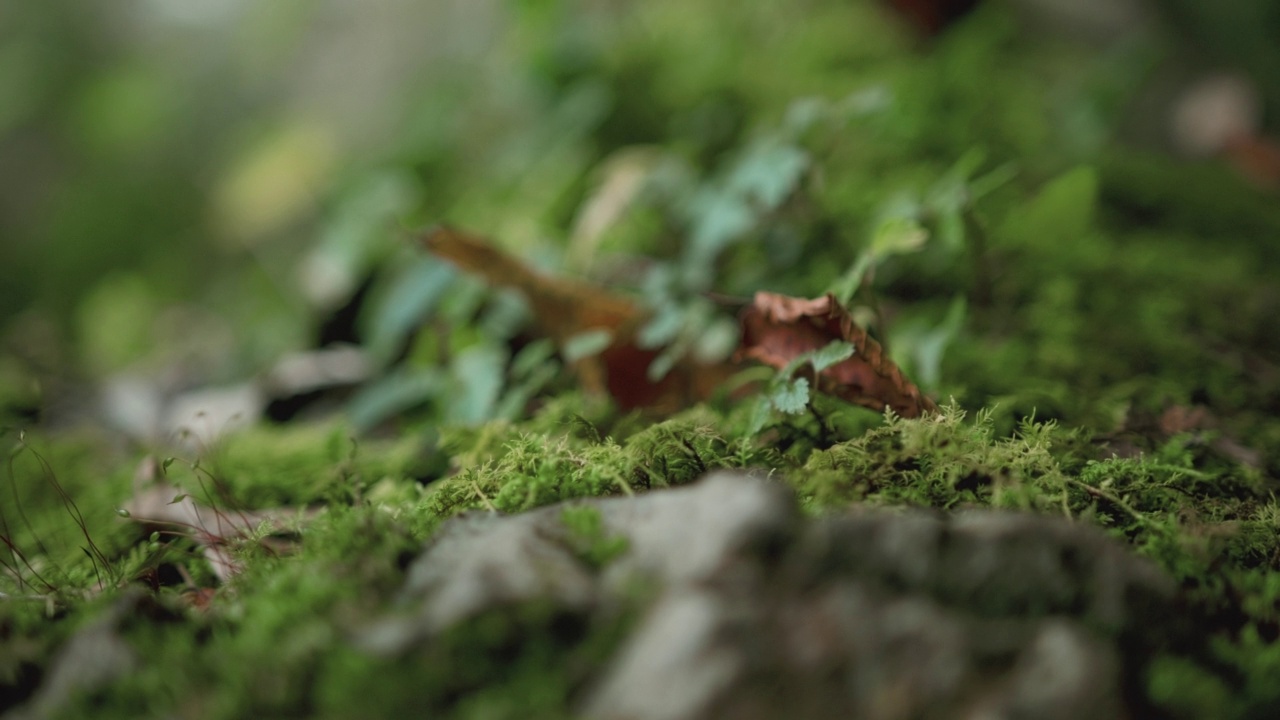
789,390
23,570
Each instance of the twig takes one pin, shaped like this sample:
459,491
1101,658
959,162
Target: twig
1111,498
476,486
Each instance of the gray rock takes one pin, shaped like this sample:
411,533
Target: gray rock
678,664
481,561
687,534
760,613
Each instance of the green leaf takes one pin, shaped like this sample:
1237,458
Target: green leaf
833,352
717,341
662,328
475,379
411,297
768,172
585,344
718,217
393,393
846,286
514,401
930,349
925,343
791,396
531,357
897,236
983,185
760,412
1061,213
836,351
358,231
662,364
506,314
719,214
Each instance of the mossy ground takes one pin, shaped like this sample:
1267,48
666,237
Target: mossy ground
277,640
1102,291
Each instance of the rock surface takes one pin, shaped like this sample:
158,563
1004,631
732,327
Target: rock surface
760,612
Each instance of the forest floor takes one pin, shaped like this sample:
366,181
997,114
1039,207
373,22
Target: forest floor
1073,328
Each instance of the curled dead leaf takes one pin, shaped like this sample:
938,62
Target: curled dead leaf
776,329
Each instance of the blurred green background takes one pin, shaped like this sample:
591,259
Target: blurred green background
170,168
201,185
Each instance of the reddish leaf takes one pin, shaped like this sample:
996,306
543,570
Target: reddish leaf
564,308
1257,158
200,597
776,329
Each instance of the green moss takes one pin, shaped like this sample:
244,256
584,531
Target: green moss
508,469
528,661
588,538
59,513
256,650
939,461
1187,689
297,464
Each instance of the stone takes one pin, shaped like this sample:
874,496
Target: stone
758,612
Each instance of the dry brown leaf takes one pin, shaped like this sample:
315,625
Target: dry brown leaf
564,308
1257,158
776,329
1180,419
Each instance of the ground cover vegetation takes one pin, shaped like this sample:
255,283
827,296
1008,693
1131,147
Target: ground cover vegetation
1095,321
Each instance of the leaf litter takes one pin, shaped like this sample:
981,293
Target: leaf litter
600,334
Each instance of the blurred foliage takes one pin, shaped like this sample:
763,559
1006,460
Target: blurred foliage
189,193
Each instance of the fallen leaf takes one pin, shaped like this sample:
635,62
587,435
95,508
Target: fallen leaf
623,177
1177,419
562,306
199,598
776,329
1180,419
566,310
1257,158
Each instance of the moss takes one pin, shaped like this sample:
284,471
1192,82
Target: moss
940,461
680,450
298,464
59,519
503,467
588,538
256,649
527,661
